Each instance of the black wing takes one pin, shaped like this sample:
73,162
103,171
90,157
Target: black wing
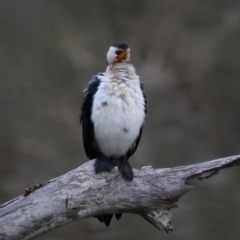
133,148
90,145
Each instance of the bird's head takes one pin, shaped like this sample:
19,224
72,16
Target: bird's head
118,53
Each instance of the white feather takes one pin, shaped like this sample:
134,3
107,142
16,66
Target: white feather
118,110
111,54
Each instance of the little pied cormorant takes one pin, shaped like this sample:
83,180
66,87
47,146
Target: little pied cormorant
112,115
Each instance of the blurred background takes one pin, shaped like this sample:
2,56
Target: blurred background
187,54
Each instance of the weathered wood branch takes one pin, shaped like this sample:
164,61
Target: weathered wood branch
81,193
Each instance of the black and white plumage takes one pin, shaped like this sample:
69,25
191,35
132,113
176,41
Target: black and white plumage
112,115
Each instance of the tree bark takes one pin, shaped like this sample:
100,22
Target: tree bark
81,193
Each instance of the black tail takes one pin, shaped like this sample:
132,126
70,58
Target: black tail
107,218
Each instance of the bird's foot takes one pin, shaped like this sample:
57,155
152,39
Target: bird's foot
127,170
104,164
101,165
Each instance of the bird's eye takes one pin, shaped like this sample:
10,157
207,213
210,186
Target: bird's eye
118,52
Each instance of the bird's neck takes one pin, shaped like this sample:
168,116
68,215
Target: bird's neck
119,65
120,71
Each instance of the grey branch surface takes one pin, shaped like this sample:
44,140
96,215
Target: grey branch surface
81,193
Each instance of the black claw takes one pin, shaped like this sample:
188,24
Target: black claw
118,216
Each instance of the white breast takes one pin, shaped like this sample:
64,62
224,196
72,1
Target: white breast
118,114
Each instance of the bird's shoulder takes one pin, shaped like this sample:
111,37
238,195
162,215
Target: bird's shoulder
94,83
90,90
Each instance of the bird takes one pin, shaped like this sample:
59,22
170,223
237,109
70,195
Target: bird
112,116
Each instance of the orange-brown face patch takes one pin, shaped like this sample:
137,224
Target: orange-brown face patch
122,56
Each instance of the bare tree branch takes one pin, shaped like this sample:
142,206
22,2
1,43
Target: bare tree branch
81,193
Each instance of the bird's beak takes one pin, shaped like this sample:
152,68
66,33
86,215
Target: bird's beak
122,56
